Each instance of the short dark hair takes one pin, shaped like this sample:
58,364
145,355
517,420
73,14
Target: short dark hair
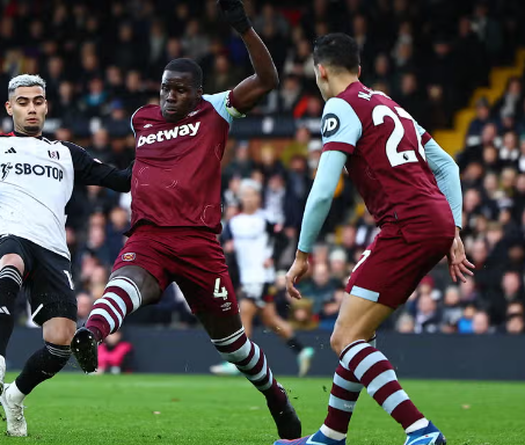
183,65
337,50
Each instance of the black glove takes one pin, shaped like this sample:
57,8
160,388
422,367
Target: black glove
235,15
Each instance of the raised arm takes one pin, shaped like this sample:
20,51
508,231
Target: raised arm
252,89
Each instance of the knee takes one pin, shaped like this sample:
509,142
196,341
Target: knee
340,339
13,260
60,335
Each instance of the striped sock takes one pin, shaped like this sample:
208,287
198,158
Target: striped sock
343,397
10,284
250,361
375,372
121,297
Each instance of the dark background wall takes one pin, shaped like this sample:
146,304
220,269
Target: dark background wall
495,357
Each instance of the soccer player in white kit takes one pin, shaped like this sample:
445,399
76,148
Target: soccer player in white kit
251,236
36,182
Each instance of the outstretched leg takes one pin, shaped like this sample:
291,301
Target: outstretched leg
41,366
128,289
228,336
248,310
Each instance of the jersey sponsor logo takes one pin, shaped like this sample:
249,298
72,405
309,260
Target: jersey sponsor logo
330,125
167,135
53,154
129,256
47,171
11,150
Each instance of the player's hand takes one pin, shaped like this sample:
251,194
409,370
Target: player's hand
458,265
235,15
268,262
296,272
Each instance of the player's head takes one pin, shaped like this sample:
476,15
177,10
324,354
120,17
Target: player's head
336,57
181,89
27,103
250,194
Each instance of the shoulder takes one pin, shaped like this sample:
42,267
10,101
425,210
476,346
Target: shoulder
146,112
338,114
221,103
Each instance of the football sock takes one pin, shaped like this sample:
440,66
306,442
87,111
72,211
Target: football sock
421,423
10,284
42,365
251,361
373,370
121,297
295,345
343,397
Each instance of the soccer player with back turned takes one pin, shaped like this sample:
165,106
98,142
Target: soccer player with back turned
412,188
176,216
36,181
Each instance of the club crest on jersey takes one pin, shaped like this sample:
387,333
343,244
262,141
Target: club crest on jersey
129,256
330,125
53,154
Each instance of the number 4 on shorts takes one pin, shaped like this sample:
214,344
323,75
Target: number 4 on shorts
223,293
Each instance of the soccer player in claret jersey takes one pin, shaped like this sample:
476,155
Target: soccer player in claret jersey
412,188
176,216
36,181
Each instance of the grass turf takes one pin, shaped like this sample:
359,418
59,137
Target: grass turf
188,409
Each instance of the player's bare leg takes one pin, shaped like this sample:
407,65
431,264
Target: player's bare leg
228,336
248,311
41,366
128,289
11,273
283,329
362,365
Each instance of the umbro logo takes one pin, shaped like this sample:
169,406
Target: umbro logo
11,150
148,125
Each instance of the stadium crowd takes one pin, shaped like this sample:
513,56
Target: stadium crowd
102,60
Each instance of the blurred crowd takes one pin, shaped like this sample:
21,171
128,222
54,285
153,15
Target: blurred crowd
103,59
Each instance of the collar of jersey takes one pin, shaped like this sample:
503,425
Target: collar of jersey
21,135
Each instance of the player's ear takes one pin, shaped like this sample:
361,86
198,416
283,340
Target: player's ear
8,108
359,71
47,107
200,92
323,74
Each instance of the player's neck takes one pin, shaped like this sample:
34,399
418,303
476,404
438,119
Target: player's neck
21,132
341,83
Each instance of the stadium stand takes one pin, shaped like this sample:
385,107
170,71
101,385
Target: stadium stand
102,60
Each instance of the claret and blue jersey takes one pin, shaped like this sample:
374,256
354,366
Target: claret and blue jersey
176,177
399,170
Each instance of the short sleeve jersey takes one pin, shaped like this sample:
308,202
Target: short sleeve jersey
176,178
386,161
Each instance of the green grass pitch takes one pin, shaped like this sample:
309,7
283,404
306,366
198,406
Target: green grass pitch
208,410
